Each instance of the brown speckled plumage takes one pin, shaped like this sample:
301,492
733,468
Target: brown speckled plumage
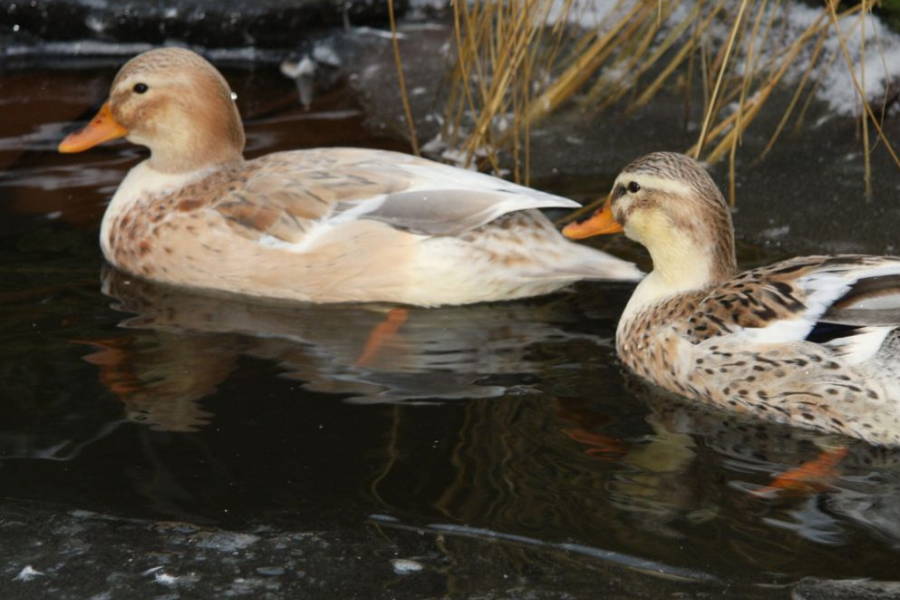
812,342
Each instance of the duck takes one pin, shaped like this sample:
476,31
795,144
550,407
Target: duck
321,225
811,342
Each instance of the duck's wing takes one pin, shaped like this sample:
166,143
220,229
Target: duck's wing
768,341
816,298
871,301
287,195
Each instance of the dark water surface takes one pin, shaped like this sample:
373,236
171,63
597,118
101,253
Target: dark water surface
158,443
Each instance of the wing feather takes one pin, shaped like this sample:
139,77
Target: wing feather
785,301
285,195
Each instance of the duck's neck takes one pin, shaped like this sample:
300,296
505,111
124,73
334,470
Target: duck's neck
191,155
187,142
681,265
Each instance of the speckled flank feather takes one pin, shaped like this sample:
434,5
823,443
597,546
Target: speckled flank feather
322,225
794,342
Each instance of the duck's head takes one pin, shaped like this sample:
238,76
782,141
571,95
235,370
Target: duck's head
175,103
669,203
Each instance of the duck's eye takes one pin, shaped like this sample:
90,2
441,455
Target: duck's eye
140,88
634,187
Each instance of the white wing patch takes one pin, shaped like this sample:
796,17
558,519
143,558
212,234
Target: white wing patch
861,346
441,211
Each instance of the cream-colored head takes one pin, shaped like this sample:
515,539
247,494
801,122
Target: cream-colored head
177,104
670,204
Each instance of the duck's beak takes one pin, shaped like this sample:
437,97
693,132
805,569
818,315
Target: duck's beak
599,223
102,128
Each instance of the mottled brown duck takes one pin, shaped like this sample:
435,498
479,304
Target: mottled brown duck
812,342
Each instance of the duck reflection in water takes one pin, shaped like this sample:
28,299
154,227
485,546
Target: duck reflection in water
180,345
663,480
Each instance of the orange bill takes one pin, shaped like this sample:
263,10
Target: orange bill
102,128
601,222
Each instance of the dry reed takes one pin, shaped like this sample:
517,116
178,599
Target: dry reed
512,69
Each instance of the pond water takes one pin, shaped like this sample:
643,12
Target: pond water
167,444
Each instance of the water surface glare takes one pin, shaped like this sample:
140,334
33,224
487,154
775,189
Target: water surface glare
499,447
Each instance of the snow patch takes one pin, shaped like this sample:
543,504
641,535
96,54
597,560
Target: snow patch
403,566
226,541
874,49
28,573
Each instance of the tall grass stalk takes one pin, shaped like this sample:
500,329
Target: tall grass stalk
512,70
410,122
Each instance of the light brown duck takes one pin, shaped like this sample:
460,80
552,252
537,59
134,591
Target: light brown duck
321,225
